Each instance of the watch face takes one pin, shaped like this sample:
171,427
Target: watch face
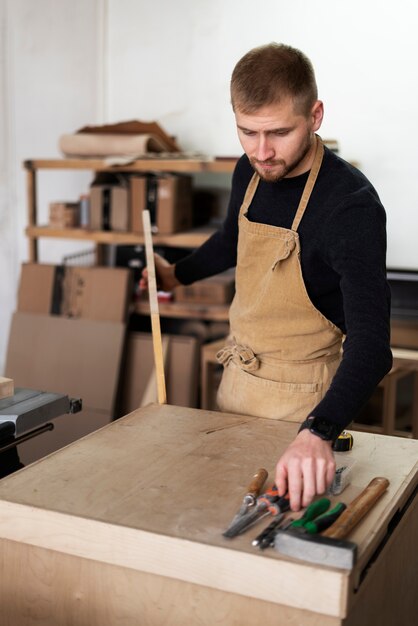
323,428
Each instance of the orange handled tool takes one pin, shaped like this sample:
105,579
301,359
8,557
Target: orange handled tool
267,504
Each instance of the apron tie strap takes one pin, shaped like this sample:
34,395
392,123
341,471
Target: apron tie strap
242,355
285,253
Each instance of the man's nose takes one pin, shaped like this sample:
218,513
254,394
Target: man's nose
265,149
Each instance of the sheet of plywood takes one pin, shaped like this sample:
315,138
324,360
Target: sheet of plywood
79,358
181,359
68,590
153,492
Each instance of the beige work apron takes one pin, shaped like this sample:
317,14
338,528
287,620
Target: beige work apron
282,353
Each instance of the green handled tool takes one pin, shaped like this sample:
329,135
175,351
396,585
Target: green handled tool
317,517
314,510
326,520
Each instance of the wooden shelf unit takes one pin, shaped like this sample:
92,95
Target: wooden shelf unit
216,166
179,310
189,239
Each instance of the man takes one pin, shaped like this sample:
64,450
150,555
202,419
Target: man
306,232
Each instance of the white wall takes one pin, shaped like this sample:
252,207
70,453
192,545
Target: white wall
66,63
51,77
172,60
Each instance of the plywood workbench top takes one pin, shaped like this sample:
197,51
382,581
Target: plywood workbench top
153,492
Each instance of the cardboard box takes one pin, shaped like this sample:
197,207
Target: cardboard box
7,387
36,287
404,333
218,289
181,370
95,293
168,198
78,358
64,214
110,207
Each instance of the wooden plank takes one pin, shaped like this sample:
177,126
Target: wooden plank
7,388
244,573
155,315
382,599
218,313
31,199
115,497
144,165
404,354
68,590
188,239
404,333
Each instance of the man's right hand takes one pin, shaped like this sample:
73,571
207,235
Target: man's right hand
166,278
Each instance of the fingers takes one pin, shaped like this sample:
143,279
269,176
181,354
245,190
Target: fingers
308,486
305,481
330,472
281,479
301,482
305,470
143,281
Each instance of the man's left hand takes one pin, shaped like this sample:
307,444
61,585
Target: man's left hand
306,469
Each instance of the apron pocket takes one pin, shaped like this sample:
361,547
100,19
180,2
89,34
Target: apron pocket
245,393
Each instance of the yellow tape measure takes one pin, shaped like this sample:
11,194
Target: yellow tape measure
344,442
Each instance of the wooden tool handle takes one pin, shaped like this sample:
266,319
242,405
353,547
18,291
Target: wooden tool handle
257,482
357,509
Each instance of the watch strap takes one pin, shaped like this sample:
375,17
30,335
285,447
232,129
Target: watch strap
319,426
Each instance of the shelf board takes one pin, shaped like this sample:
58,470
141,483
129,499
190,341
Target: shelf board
215,313
222,165
189,239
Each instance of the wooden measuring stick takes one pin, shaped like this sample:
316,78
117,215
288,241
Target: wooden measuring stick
155,316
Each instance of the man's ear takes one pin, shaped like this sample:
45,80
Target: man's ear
317,115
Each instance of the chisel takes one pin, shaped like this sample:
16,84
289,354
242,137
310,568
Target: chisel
249,500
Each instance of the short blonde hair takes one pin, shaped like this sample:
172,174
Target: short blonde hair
268,74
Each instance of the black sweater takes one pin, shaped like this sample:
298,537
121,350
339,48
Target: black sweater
343,250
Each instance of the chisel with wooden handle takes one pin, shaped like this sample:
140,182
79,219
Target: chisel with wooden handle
250,498
330,548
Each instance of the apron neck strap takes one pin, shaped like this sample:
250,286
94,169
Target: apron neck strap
249,194
313,175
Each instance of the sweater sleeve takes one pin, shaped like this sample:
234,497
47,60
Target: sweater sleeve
355,247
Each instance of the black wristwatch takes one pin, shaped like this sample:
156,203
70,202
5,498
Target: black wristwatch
319,426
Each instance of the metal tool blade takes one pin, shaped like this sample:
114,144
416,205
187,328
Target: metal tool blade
250,497
245,521
316,549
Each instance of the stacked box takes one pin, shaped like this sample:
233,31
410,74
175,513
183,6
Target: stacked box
218,289
110,202
168,198
64,214
94,293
